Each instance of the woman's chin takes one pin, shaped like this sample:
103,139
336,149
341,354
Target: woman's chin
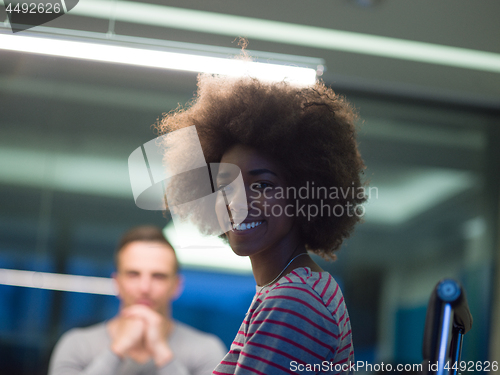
243,249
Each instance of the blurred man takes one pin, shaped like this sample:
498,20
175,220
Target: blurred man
143,338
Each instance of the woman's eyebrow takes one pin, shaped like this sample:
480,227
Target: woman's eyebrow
255,172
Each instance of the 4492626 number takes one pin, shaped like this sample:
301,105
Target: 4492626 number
37,8
472,366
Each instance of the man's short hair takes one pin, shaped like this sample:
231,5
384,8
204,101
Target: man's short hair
144,233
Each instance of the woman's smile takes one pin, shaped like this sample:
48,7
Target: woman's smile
260,230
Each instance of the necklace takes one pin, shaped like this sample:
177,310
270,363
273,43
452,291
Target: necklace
281,273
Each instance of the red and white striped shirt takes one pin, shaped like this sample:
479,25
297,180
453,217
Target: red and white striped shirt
299,325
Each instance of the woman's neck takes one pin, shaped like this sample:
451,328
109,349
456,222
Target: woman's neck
268,264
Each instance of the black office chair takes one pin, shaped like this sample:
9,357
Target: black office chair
448,320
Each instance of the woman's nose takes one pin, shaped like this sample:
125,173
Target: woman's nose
238,205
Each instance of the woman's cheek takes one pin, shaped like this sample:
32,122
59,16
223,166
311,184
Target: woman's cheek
221,212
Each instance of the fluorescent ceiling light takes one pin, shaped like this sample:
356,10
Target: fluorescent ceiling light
155,58
64,171
281,32
404,195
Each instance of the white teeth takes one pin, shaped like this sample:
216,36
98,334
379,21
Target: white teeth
246,226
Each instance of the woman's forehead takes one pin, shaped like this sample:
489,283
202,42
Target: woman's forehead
249,160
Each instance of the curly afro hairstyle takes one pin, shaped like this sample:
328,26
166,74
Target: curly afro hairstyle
309,130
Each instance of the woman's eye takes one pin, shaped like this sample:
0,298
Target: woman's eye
261,185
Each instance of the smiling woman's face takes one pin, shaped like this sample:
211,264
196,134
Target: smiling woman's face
267,226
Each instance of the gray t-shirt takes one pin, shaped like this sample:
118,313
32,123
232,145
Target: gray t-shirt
86,351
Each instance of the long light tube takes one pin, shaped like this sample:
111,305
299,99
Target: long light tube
289,33
157,59
57,281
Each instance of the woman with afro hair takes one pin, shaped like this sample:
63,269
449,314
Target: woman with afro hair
300,168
